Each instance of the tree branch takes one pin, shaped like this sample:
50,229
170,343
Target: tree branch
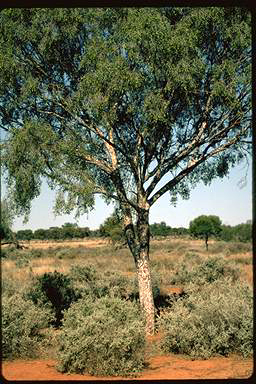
191,167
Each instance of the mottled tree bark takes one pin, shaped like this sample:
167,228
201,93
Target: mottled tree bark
138,242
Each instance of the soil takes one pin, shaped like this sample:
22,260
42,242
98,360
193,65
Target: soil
160,367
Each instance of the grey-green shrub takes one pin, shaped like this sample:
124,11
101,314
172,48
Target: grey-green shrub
102,337
216,319
98,284
21,325
209,270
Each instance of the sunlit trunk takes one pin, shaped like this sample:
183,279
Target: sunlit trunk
139,246
146,293
143,270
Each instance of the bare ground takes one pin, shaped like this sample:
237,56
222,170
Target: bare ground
161,367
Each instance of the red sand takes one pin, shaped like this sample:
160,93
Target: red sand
161,367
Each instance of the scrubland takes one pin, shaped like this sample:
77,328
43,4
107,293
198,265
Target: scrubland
77,302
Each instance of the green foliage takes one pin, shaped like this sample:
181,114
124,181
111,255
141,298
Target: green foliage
160,229
205,226
102,337
148,77
92,282
240,233
112,227
54,290
25,234
67,231
6,222
21,325
86,273
216,319
204,271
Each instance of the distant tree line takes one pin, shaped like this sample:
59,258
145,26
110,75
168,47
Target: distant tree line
161,229
241,232
66,231
111,228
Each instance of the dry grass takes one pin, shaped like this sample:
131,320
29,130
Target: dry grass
46,244
164,256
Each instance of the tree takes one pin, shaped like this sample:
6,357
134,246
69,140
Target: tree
40,234
112,227
243,232
6,233
25,234
160,229
69,230
7,236
205,226
125,103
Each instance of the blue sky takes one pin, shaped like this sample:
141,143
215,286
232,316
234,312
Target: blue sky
227,198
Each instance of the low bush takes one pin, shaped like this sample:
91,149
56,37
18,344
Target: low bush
83,273
98,284
11,253
66,253
54,290
209,270
21,325
214,320
102,337
230,248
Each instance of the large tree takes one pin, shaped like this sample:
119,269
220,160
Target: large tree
125,103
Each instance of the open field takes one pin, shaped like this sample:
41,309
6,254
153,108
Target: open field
174,264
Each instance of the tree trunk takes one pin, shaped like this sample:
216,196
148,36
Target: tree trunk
143,271
139,246
206,242
146,293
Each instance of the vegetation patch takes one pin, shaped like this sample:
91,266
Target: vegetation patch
22,322
54,290
209,270
214,320
102,337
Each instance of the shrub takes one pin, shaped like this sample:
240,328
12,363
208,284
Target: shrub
66,253
11,253
54,289
96,284
21,325
216,319
209,270
9,286
102,337
83,273
229,248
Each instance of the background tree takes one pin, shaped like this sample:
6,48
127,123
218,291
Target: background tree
25,234
69,230
205,226
113,228
40,234
160,229
126,103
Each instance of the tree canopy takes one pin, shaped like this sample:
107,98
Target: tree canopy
205,226
90,97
